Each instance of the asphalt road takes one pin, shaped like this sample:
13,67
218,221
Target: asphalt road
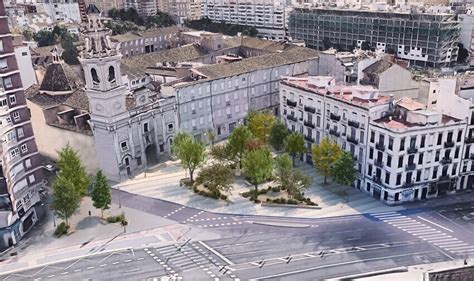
271,248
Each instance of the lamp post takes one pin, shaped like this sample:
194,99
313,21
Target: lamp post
121,166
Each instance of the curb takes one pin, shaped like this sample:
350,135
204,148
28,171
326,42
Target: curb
265,204
286,225
373,273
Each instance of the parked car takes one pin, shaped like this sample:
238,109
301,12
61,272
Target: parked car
49,168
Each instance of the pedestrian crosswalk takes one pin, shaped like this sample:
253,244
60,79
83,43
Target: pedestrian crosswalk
426,233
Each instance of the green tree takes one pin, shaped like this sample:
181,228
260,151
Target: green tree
283,166
324,155
160,20
70,168
44,38
260,124
177,140
278,134
192,155
28,34
294,144
296,182
258,166
216,178
212,136
70,54
101,196
66,199
343,170
237,140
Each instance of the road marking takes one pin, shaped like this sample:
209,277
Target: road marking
384,213
452,243
77,270
216,253
127,260
91,267
459,247
51,276
64,273
102,265
116,262
440,226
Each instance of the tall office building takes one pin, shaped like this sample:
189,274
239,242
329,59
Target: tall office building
422,38
21,173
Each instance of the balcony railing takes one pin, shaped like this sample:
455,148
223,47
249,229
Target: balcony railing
378,163
410,167
412,150
470,140
309,124
380,146
448,144
445,161
309,138
352,139
310,109
408,184
291,103
334,133
444,178
354,124
377,180
335,117
292,118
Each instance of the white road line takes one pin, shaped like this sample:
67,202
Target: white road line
428,236
381,217
440,226
459,248
77,270
384,213
91,267
216,253
102,265
451,244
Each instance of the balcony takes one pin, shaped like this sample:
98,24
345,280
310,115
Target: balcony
378,163
410,167
292,118
291,103
309,138
309,124
354,124
408,184
448,144
471,156
380,146
446,161
310,109
377,180
412,150
352,139
334,133
470,140
335,117
444,178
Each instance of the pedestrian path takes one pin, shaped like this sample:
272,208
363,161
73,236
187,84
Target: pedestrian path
438,237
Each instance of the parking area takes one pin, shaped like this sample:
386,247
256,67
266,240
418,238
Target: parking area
463,214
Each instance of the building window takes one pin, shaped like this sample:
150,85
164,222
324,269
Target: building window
400,161
423,139
387,177
1,45
440,138
139,161
24,148
435,172
20,132
399,179
371,153
12,99
3,102
3,64
170,127
14,153
95,77
456,153
420,159
124,146
459,136
7,82
372,136
11,136
402,144
146,129
111,77
16,115
389,160
31,178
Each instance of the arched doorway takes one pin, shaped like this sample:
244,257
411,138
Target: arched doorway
151,155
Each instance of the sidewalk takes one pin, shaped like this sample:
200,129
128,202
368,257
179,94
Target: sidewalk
163,182
91,236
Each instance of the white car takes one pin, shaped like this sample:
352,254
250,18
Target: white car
49,168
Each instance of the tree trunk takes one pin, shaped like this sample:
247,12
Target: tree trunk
67,223
325,180
256,188
293,156
101,213
191,175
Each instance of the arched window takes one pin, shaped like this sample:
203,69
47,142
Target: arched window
95,77
111,74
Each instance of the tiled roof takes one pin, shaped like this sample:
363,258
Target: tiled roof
160,31
125,37
378,67
55,79
255,63
181,54
410,104
132,72
77,99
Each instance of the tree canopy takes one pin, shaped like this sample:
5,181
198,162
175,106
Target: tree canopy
294,181
71,169
236,142
343,170
129,14
66,199
324,155
258,165
160,20
101,195
260,124
191,153
278,133
216,178
294,144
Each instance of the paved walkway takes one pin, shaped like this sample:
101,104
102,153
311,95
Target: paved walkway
163,182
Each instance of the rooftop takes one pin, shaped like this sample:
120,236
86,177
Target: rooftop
397,123
340,92
378,67
77,99
410,104
60,77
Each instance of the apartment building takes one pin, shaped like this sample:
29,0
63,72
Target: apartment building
403,151
219,96
317,108
63,10
269,17
21,173
105,5
421,38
